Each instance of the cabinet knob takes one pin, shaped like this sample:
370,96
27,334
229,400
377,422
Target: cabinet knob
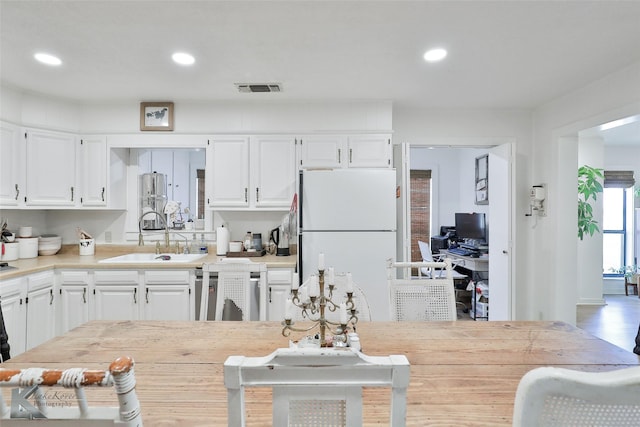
17,191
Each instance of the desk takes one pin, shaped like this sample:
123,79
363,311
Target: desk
462,373
475,265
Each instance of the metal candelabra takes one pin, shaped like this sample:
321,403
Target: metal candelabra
314,310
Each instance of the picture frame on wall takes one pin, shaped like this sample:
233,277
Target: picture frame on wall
156,116
482,180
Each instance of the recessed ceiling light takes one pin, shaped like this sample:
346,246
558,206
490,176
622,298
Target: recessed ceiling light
435,55
183,58
45,58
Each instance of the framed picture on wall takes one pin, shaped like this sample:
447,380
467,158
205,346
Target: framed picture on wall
482,180
156,116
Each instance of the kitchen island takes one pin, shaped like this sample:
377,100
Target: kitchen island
462,373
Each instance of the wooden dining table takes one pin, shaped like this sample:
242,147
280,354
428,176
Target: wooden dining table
462,373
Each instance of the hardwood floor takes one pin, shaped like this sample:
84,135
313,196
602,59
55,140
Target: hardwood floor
617,322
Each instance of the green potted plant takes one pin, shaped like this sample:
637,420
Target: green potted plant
588,188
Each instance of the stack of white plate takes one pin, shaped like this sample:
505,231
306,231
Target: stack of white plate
49,244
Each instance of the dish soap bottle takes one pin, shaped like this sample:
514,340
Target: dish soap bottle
204,249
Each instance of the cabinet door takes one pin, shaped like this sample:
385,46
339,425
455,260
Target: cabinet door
228,167
93,151
279,281
116,302
369,151
322,151
74,307
40,316
15,321
273,171
167,302
11,179
51,169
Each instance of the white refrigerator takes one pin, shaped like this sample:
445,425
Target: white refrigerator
350,216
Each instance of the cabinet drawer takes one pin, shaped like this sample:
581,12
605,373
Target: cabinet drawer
11,286
116,277
39,281
279,277
74,277
164,276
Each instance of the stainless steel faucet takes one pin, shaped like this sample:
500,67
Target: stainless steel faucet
164,221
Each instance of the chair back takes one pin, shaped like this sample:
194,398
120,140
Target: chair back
422,298
425,251
28,384
315,386
563,397
234,287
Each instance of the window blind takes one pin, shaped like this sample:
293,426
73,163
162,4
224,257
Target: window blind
619,179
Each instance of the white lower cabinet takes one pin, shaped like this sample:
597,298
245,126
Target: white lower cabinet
73,308
12,300
116,295
28,309
144,294
169,295
279,281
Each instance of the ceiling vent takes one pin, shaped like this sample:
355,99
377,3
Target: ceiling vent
258,87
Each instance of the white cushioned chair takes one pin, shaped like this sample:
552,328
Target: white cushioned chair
550,397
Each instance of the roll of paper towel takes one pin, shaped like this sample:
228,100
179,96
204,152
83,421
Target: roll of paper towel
222,240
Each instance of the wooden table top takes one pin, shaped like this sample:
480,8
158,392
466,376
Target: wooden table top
462,373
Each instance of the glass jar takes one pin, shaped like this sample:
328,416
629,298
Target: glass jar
248,241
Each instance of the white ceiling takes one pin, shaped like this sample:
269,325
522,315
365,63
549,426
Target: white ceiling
502,54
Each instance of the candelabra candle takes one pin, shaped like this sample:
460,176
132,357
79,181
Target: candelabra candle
314,309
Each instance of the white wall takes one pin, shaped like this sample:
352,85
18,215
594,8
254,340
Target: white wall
553,250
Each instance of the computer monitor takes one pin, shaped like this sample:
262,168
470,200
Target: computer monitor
471,226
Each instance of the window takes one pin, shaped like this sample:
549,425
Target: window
420,183
617,241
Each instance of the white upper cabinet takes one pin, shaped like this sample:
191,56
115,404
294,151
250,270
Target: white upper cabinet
369,151
93,166
11,161
273,171
340,151
228,171
51,168
321,151
256,172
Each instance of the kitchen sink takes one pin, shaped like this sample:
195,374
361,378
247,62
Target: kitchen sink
152,258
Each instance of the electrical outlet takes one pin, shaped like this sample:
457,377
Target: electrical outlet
107,236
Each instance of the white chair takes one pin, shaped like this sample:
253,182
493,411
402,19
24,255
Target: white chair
319,387
32,380
427,256
425,298
234,287
548,397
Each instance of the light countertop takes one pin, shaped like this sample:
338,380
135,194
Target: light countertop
68,257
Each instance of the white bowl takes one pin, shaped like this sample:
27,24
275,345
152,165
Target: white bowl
48,251
25,231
